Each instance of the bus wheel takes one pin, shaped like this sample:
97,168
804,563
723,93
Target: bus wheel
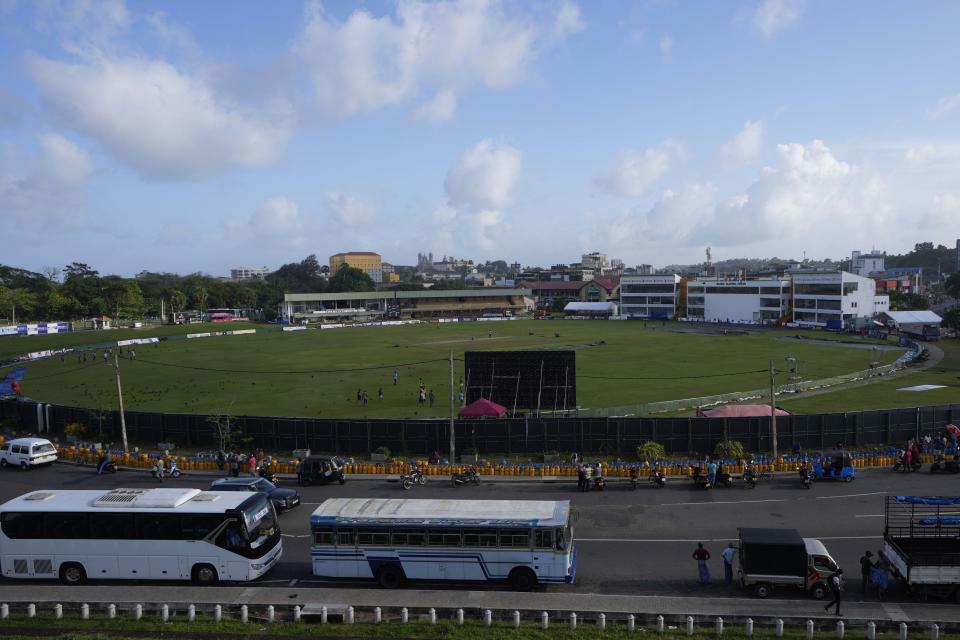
204,575
522,579
72,573
389,576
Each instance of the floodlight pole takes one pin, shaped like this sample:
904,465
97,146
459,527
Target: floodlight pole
123,420
773,410
453,442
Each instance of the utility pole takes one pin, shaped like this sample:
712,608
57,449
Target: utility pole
453,442
13,312
123,420
773,410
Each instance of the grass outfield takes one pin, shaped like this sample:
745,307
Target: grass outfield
884,395
317,373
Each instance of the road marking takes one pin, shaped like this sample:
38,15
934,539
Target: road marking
293,583
870,515
853,495
677,504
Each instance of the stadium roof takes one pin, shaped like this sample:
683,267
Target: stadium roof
391,295
913,317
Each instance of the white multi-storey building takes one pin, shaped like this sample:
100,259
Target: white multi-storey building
763,300
835,299
863,264
649,296
249,273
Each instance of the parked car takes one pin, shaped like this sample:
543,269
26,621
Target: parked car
283,499
27,452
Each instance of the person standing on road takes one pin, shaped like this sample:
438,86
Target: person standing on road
711,472
866,564
834,582
252,465
701,555
728,555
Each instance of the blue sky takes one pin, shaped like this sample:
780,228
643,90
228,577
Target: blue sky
200,136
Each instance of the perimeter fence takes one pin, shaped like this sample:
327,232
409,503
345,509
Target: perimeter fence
513,437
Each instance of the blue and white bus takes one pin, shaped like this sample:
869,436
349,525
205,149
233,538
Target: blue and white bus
522,542
139,534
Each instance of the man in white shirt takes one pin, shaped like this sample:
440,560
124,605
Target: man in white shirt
728,554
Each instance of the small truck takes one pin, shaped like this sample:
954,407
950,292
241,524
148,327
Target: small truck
772,558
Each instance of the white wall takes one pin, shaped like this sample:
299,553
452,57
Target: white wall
731,306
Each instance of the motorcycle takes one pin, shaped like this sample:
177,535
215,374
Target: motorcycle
106,465
159,470
724,479
806,475
415,476
599,482
657,479
272,477
942,465
469,477
634,477
750,477
700,479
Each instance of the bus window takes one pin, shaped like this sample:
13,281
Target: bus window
344,537
197,526
112,526
479,537
543,539
408,537
515,538
323,536
158,526
444,537
232,538
66,526
22,525
368,537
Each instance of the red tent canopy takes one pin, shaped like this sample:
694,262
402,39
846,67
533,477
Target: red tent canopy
483,408
740,411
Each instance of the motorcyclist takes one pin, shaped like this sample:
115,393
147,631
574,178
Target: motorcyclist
749,475
105,459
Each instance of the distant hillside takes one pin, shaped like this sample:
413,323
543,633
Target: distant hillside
929,257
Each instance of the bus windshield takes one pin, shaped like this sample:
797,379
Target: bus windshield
260,520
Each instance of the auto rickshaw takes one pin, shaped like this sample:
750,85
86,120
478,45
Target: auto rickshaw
319,470
836,467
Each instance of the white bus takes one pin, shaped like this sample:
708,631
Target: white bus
139,534
523,542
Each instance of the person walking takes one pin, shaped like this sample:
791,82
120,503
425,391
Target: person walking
252,465
866,564
701,555
711,472
728,555
234,465
366,398
380,393
359,396
396,376
834,582
432,397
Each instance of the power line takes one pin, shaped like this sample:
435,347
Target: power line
289,372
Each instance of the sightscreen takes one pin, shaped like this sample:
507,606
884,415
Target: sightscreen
522,380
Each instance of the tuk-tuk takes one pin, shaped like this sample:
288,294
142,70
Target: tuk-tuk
836,467
319,470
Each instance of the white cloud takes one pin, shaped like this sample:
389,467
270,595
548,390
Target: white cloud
638,171
163,122
277,223
666,46
747,144
42,193
773,16
944,212
485,176
945,106
365,62
439,108
351,210
479,186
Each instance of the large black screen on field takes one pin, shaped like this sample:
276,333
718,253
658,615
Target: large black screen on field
544,380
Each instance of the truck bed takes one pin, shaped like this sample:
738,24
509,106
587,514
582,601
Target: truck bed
922,539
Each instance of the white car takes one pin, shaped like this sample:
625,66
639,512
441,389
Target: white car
27,452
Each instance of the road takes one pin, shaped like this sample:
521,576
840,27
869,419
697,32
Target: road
629,542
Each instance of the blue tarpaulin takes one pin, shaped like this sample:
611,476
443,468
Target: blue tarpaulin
943,501
935,522
16,374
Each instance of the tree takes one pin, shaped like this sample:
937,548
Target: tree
349,279
199,296
123,297
178,300
952,286
903,301
19,301
305,276
951,318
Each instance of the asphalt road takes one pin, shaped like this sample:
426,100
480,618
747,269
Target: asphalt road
629,542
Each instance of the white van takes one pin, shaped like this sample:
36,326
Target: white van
27,452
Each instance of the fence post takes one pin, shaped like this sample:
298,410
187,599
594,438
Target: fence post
244,613
840,629
871,631
111,611
516,619
631,623
779,628
377,614
809,629
217,613
487,618
432,615
58,611
719,626
748,630
4,611
165,613
934,631
296,613
659,624
689,625
573,619
84,611
404,615
191,613
602,621
460,617
31,610
271,613
323,614
138,612
903,625
545,621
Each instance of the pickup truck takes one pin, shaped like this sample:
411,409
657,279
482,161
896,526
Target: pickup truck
771,558
921,540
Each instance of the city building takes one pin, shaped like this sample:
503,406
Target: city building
301,308
836,299
650,296
555,294
763,300
867,263
596,262
905,279
389,273
248,273
366,261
